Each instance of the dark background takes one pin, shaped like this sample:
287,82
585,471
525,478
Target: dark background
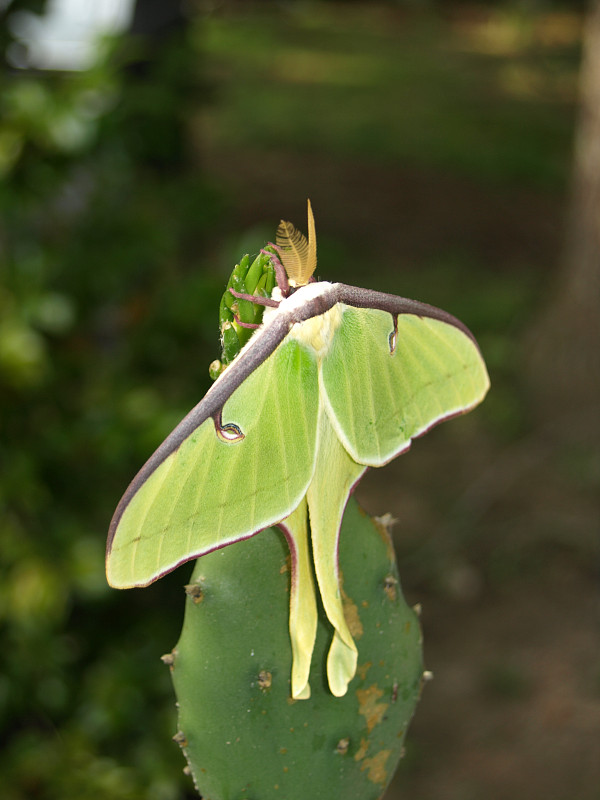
436,142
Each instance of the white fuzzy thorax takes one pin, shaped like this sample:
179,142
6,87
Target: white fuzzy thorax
317,332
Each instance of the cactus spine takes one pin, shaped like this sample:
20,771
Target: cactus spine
243,736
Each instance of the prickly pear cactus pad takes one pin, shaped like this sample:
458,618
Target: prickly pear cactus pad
241,732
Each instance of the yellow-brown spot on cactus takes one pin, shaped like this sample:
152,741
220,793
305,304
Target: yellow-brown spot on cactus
376,767
368,706
384,525
362,669
351,616
285,567
194,591
362,750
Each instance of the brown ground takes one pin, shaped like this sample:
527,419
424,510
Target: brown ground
498,542
514,708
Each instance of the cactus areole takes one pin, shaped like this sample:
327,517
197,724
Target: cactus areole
332,379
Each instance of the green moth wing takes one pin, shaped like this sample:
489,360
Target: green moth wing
211,489
387,380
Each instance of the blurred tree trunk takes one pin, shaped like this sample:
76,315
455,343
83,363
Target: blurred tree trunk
157,18
565,346
164,81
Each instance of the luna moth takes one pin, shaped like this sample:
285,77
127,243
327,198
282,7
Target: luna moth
336,379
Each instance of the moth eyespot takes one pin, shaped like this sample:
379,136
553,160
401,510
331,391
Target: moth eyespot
230,432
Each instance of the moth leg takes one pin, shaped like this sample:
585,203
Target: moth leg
239,322
254,298
280,273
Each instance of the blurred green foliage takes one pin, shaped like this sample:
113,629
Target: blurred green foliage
449,91
103,311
